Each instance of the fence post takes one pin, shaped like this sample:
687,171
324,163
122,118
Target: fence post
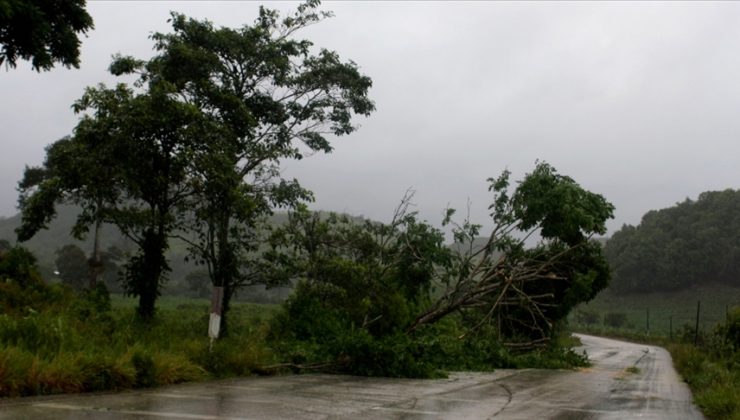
647,321
696,331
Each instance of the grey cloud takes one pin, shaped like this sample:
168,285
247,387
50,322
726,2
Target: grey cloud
636,101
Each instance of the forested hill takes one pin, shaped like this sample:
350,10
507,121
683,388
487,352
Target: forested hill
691,243
45,244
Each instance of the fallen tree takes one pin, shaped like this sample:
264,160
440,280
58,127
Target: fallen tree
524,291
366,289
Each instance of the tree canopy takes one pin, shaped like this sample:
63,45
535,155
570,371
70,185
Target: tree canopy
43,31
205,128
693,242
125,164
262,96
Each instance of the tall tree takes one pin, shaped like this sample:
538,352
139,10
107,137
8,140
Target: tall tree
149,136
263,97
81,169
125,165
43,31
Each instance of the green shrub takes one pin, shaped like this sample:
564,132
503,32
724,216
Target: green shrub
94,302
18,265
731,329
396,355
173,369
15,365
60,375
146,375
101,372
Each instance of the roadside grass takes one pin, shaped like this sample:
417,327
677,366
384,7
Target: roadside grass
711,368
85,345
55,341
714,380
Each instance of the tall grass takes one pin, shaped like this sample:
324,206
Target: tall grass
714,379
85,344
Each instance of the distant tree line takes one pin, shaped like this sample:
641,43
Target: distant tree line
691,243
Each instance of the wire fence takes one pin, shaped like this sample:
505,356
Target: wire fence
683,322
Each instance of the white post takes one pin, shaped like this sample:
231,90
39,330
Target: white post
214,324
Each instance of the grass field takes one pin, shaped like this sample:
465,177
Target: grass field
659,313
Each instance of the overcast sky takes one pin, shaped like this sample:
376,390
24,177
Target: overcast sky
639,102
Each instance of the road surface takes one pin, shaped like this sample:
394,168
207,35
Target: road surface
626,381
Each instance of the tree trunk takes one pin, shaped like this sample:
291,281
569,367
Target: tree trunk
224,268
228,293
152,267
96,266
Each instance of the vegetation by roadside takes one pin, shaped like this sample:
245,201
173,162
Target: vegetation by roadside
711,368
713,376
54,340
370,299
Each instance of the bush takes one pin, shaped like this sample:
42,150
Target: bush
145,374
731,329
22,290
100,372
14,367
174,369
18,265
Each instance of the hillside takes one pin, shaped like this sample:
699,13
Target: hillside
47,241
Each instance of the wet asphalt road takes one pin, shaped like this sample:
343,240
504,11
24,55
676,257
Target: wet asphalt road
604,391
